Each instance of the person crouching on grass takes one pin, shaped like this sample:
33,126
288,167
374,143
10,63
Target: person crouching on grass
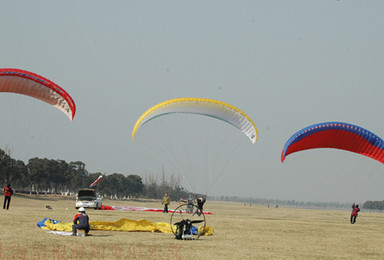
80,221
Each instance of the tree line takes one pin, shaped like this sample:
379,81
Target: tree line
60,177
289,203
374,205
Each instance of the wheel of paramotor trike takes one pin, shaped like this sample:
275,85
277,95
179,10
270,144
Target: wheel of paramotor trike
188,212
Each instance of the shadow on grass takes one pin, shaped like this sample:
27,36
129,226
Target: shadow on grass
44,197
99,235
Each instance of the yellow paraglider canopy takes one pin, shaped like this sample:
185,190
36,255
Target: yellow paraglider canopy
202,106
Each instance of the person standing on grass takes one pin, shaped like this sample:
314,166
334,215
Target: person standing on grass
7,198
200,203
166,203
80,221
355,212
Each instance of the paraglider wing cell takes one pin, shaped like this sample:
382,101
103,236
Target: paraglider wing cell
336,135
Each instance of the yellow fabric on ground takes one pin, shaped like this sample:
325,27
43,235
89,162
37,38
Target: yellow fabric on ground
122,225
131,225
208,231
61,226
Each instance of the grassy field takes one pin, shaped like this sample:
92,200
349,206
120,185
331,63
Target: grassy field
241,232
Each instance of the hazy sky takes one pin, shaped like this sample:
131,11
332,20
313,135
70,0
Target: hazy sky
287,64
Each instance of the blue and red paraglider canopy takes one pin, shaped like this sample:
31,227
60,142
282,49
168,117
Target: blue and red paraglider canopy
336,135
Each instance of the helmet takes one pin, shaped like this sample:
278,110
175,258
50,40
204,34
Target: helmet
81,209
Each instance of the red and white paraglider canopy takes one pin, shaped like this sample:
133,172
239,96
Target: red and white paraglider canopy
36,86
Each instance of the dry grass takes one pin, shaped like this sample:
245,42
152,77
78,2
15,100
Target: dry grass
241,232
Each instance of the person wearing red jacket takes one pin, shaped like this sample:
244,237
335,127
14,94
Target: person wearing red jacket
355,212
80,221
7,198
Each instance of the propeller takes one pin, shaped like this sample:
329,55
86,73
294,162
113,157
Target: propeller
188,221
